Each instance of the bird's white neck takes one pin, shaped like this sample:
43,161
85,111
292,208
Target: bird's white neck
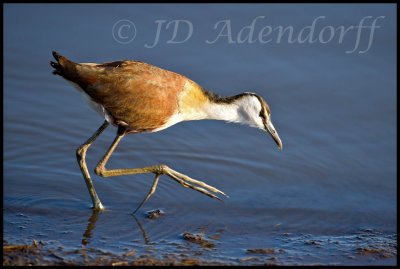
234,111
208,111
213,111
242,108
198,104
222,111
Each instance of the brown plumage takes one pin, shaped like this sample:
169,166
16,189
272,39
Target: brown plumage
139,97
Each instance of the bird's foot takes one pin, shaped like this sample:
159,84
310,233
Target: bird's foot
185,181
182,179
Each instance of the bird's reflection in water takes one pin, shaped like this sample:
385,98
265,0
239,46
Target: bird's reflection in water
90,226
145,237
88,234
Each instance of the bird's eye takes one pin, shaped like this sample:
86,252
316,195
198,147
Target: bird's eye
262,114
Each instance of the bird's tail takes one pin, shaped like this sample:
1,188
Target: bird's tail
63,67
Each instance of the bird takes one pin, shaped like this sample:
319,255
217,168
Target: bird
138,97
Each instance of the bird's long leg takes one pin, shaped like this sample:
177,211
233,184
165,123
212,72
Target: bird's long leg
81,157
161,169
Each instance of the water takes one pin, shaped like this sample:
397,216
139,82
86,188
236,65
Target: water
327,195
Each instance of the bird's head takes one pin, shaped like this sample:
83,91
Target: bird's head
255,112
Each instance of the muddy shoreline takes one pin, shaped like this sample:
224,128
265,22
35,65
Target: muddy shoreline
39,253
202,246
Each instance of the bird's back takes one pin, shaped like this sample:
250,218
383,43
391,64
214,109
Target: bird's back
139,95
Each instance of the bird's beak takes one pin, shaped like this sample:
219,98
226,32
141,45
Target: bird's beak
269,127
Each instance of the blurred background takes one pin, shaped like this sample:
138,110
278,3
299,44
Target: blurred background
332,94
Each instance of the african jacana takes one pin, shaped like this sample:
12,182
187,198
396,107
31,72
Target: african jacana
138,97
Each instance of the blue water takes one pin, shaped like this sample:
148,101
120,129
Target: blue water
334,110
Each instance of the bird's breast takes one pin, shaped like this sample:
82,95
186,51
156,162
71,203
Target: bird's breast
192,101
